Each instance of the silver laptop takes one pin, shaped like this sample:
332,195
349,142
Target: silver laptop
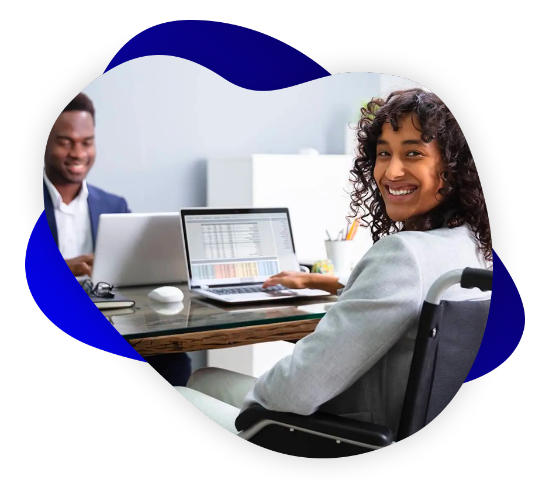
139,249
230,252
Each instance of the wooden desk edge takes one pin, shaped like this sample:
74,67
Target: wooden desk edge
230,337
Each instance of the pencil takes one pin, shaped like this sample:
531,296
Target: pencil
353,230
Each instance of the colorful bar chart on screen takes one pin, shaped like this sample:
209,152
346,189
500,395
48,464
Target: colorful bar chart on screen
218,271
238,248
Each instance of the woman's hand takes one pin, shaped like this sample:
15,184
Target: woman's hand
298,280
289,280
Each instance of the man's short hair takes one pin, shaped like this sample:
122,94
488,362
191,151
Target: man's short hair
81,103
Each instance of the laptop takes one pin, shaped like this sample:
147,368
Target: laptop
230,252
139,249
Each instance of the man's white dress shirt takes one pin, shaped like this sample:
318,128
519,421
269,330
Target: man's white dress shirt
73,222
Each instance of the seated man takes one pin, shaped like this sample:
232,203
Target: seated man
73,207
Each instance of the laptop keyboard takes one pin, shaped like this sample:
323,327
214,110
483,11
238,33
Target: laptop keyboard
234,290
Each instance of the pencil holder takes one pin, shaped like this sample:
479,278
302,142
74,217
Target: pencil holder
340,253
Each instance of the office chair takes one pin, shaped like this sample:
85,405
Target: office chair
448,340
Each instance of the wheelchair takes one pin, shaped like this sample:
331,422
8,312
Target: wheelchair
448,340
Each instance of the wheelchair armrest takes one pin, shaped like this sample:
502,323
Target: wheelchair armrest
328,424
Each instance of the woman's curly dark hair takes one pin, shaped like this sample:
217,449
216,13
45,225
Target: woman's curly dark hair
463,198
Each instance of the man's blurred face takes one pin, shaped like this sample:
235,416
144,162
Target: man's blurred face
70,149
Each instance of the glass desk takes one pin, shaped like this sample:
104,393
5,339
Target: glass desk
154,328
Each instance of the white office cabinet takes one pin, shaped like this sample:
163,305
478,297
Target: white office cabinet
316,189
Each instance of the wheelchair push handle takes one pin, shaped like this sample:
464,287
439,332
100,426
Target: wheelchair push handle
466,278
477,278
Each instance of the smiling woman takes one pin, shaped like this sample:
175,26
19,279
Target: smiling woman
417,188
407,170
414,171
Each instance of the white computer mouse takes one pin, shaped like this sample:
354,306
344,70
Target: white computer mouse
167,308
166,295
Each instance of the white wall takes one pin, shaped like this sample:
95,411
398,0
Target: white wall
158,119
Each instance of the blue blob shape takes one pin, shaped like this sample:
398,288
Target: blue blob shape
505,324
63,300
244,57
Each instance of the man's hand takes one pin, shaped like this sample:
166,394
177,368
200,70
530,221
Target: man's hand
81,265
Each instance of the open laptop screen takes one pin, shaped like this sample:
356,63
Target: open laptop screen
230,247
